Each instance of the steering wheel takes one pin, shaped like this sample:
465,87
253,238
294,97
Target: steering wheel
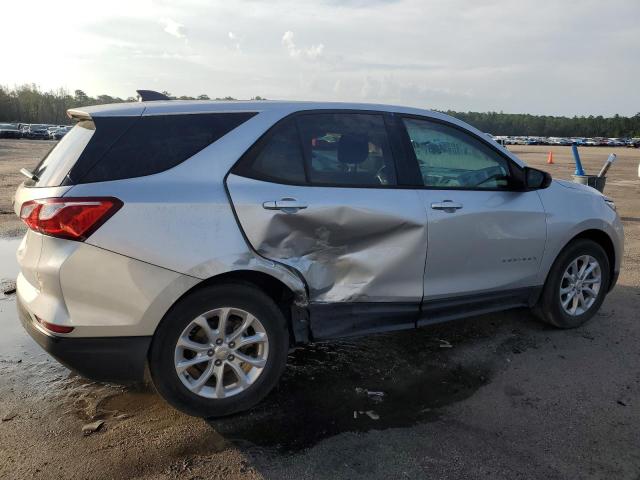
381,175
478,177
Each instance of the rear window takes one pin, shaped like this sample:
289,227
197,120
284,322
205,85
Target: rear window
114,148
156,143
53,168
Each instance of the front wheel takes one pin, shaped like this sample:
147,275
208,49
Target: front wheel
576,285
219,351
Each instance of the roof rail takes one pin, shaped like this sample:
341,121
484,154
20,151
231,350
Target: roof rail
151,95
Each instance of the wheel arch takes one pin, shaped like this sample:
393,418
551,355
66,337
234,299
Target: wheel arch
603,239
282,294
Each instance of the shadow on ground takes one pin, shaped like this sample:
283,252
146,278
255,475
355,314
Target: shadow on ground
384,381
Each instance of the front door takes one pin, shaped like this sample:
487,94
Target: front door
485,234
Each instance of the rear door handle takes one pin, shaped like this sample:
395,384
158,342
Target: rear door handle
290,204
447,206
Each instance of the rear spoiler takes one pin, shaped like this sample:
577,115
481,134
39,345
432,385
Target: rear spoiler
78,114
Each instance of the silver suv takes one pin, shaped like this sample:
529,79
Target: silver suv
206,239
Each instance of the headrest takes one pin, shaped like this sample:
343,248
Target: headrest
353,148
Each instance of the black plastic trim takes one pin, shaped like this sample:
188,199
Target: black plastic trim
151,96
337,320
106,359
443,310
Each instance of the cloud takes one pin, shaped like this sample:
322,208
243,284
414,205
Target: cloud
174,28
235,39
313,52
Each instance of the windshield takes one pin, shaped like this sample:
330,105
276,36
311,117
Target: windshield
57,163
7,126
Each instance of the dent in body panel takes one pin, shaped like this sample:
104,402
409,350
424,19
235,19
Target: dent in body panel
349,244
343,252
193,231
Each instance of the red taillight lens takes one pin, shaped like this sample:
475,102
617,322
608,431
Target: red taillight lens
70,218
52,327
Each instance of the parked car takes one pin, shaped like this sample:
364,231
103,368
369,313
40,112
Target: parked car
206,246
35,131
59,132
9,130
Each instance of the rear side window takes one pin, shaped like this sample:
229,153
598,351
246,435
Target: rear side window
277,158
328,149
156,143
347,149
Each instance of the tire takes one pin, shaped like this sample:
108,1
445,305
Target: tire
550,308
165,355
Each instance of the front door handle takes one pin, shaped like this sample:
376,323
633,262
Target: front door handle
446,205
286,204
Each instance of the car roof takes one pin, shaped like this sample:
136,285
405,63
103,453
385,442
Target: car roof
278,109
202,106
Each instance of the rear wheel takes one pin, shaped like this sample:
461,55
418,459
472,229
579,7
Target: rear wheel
219,351
576,285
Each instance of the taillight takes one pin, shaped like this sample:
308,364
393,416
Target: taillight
70,218
52,327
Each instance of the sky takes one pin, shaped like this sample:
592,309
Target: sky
562,57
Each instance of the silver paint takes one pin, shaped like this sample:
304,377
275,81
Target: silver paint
349,244
467,246
177,228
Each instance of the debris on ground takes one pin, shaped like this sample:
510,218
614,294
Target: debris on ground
369,413
376,396
92,427
444,344
9,416
372,415
8,287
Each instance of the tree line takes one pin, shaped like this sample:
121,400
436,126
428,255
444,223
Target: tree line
521,124
29,104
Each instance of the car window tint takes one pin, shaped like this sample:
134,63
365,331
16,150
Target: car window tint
153,144
450,158
278,158
347,149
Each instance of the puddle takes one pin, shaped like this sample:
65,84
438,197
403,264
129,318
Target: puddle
8,262
14,341
325,384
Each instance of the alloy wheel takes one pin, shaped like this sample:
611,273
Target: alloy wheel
580,285
221,353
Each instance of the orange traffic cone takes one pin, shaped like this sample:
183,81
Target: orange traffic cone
550,158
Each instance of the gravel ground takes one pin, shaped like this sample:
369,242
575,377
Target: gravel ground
496,396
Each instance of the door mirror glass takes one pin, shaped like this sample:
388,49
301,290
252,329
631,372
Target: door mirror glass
536,179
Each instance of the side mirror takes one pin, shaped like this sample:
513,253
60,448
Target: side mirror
535,179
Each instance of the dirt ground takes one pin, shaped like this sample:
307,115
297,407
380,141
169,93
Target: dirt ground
499,396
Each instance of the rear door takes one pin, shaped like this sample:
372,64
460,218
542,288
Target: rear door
486,235
320,193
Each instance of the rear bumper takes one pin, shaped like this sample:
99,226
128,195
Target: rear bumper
112,359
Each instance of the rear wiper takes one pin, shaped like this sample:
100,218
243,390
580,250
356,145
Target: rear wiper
29,175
